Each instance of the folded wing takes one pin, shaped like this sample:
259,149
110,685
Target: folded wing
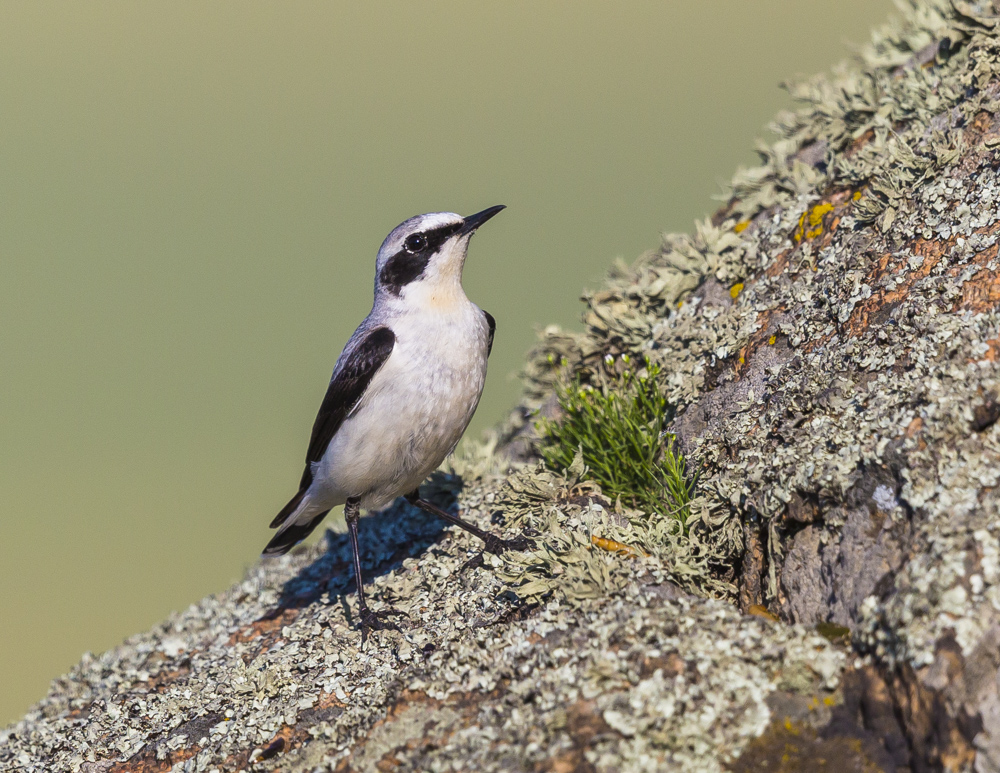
348,385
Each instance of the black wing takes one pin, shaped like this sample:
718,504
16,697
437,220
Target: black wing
493,328
346,388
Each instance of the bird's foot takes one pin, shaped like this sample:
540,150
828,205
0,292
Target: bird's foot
376,621
473,563
498,546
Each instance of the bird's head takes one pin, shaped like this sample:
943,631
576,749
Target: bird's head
422,259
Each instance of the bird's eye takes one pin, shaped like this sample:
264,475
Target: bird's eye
415,243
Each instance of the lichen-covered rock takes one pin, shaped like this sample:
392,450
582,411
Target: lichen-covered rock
271,674
831,342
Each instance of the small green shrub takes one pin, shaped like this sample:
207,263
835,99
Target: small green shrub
619,429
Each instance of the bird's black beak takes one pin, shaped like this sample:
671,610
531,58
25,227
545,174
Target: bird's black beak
472,222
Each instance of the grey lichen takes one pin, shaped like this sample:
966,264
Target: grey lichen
643,677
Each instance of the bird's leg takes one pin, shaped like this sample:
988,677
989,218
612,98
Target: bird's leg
370,621
492,543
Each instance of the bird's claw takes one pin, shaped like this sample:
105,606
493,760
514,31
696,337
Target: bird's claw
498,546
376,621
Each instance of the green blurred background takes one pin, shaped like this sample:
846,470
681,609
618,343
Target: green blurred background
191,197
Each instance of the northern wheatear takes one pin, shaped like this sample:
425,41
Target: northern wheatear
403,390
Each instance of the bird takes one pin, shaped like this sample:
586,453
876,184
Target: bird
402,393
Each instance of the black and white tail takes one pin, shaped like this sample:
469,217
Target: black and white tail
291,533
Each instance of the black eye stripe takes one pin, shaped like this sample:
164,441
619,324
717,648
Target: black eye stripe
405,266
437,236
402,268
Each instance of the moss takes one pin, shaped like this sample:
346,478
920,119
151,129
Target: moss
792,747
836,634
617,427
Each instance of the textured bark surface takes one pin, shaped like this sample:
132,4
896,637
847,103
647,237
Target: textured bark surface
830,341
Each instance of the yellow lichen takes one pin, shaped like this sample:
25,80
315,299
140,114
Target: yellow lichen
811,223
613,546
741,226
758,611
735,290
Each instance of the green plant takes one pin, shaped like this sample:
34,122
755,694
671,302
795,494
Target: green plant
618,428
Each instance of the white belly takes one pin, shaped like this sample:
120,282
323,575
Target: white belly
413,413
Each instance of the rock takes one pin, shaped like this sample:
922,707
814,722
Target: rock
830,344
272,674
